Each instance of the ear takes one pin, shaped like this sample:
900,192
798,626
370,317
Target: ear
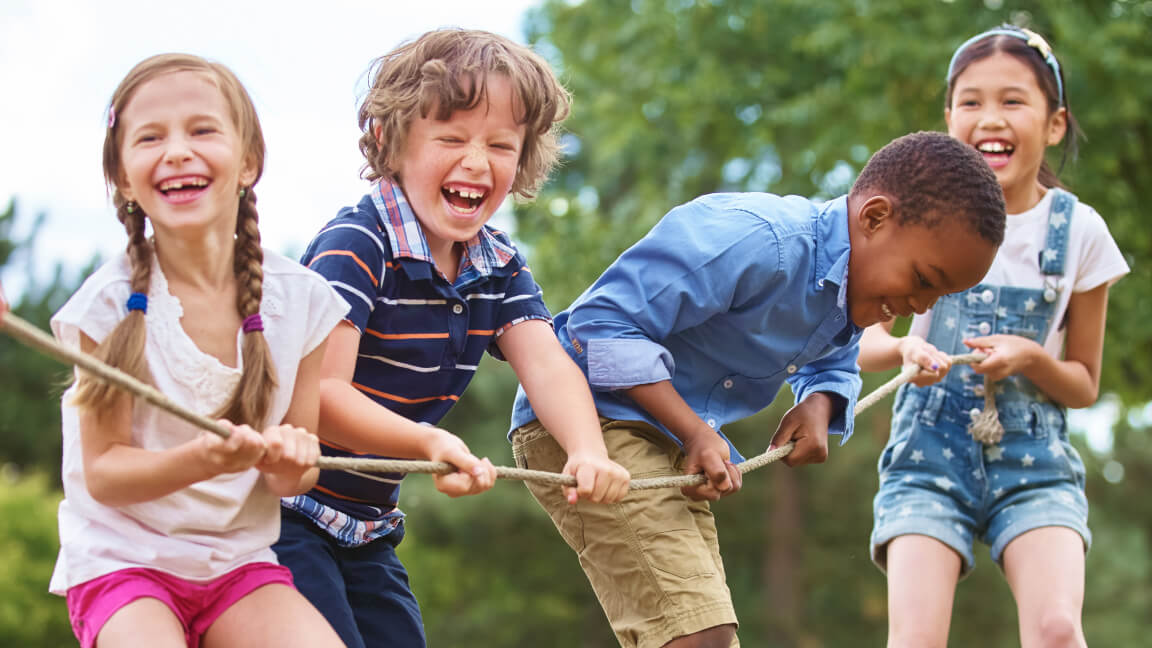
875,214
1057,126
124,188
248,172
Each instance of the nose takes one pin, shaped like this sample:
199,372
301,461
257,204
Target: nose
991,119
921,303
475,158
177,149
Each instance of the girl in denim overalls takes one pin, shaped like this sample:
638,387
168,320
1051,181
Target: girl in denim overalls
1039,316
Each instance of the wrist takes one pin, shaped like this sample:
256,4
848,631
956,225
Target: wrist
908,345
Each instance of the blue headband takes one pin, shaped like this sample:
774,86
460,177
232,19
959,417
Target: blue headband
1034,40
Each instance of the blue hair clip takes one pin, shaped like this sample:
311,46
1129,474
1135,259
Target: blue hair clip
1031,38
138,301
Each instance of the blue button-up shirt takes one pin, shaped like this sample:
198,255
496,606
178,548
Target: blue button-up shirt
728,296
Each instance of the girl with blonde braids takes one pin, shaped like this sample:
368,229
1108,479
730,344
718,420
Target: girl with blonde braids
165,530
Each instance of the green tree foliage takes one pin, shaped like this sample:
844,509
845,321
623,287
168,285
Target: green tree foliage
30,384
29,615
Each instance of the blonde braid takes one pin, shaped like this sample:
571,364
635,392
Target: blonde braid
253,396
123,348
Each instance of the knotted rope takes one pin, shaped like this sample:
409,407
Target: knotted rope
45,343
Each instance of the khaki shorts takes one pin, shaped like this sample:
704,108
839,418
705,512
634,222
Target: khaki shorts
653,558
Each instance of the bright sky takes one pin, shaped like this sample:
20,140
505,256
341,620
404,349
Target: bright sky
303,64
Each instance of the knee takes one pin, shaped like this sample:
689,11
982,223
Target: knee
1060,629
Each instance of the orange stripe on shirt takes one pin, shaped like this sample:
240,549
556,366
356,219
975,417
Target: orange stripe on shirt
337,446
401,399
480,332
332,493
363,266
408,336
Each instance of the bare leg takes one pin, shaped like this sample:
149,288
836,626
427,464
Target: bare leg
1045,569
922,577
143,621
715,637
272,615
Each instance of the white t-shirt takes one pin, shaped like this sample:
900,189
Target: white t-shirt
203,531
1092,259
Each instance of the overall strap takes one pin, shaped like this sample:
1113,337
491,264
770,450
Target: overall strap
1056,245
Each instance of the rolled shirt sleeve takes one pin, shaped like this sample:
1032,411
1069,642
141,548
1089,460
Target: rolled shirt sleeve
835,373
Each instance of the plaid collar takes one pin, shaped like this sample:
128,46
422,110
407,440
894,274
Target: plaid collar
484,252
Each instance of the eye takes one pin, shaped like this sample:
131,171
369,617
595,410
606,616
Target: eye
449,139
504,146
923,281
204,130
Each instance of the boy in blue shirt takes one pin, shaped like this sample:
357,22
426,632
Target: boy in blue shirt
454,121
701,321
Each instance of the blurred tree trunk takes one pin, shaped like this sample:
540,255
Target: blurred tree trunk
782,556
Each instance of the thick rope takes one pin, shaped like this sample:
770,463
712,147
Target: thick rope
37,339
985,427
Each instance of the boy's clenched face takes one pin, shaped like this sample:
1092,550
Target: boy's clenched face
896,270
456,173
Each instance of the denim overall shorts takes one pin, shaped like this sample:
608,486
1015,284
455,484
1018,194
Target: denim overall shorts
935,479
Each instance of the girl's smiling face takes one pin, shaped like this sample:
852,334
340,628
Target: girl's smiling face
998,107
182,158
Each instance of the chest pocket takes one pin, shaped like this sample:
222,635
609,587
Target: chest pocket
1024,312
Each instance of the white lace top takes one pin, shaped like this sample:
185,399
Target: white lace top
212,527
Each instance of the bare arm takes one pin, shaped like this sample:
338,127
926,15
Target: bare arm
1073,381
881,351
560,396
353,420
118,473
291,451
704,450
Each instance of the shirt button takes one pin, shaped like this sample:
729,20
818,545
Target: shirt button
820,283
978,390
791,369
974,412
728,383
457,308
1049,295
984,327
987,296
712,423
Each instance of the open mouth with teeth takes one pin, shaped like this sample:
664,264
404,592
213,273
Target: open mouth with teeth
183,188
462,198
886,312
995,152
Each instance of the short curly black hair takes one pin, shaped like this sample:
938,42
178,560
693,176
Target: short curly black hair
932,176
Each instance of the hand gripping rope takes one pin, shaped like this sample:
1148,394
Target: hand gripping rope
37,339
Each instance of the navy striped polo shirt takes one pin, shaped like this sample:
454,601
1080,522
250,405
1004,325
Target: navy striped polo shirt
422,337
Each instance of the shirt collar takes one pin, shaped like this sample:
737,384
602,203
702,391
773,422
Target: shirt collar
833,249
833,246
484,252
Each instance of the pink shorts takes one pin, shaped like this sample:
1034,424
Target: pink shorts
196,605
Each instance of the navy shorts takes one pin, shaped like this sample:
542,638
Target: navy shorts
363,591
